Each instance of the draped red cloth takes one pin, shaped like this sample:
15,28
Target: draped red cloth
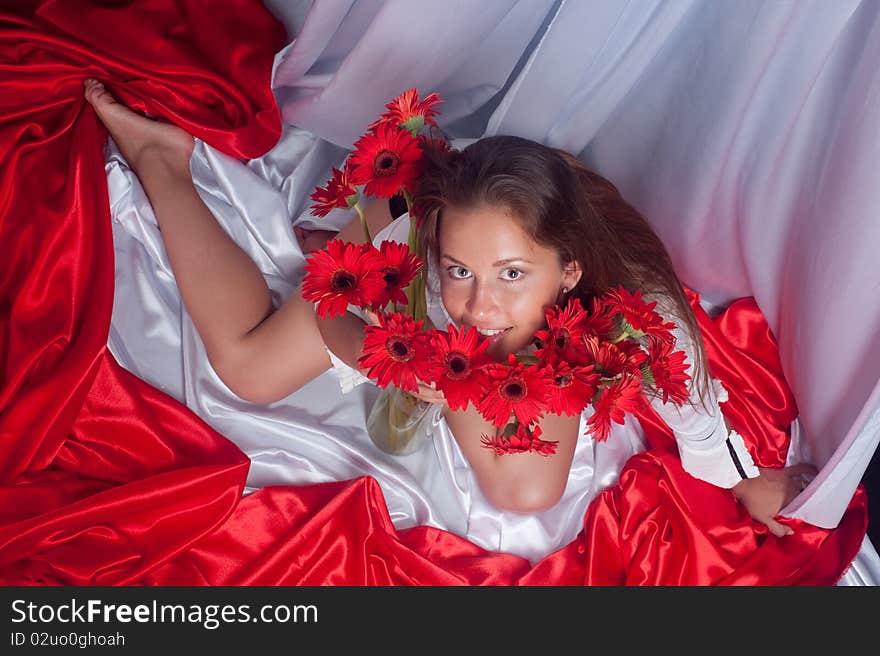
105,480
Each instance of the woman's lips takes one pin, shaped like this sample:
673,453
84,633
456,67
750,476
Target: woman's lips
493,335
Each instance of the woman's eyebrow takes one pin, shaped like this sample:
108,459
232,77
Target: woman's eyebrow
511,260
444,256
508,260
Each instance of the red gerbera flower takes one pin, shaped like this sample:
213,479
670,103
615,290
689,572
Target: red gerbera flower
339,192
600,319
385,161
341,274
634,354
612,405
457,365
638,318
517,389
563,338
668,371
607,358
399,267
407,112
395,352
571,388
525,440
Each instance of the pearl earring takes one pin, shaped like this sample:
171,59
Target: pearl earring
565,290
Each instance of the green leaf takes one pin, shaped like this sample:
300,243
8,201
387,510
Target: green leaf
626,327
414,124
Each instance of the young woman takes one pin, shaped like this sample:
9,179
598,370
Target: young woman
510,227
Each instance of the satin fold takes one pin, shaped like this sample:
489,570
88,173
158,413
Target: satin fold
107,480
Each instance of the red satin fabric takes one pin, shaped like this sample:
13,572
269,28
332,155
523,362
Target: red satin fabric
106,480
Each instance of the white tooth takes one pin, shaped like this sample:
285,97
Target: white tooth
488,332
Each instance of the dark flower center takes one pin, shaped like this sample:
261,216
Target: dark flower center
385,164
514,389
562,338
458,365
400,349
343,281
391,276
563,381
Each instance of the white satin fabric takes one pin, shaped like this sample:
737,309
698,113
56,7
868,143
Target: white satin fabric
744,131
533,535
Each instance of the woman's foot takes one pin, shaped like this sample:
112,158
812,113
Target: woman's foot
141,140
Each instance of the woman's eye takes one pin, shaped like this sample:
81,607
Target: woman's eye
458,272
511,274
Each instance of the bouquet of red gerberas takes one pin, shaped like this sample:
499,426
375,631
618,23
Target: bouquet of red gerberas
386,162
606,355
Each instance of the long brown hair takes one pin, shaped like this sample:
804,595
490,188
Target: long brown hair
562,205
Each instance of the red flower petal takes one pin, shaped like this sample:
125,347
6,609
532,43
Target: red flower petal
457,365
668,368
386,161
399,267
525,440
571,388
340,275
600,319
336,194
514,389
612,405
607,359
396,352
408,112
639,316
563,338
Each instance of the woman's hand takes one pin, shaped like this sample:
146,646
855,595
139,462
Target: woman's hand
428,393
765,495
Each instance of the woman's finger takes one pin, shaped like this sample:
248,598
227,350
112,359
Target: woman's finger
777,529
429,394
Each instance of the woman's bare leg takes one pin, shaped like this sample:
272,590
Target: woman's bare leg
221,287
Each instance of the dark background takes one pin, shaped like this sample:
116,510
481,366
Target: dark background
871,480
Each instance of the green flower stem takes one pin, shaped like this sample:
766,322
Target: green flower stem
415,291
622,336
364,225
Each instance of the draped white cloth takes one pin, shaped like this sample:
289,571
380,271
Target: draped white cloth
640,90
747,132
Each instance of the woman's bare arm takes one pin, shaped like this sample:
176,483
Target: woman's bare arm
522,482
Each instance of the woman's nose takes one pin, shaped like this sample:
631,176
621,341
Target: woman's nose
481,302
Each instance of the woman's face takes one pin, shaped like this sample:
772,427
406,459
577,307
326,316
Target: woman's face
496,278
